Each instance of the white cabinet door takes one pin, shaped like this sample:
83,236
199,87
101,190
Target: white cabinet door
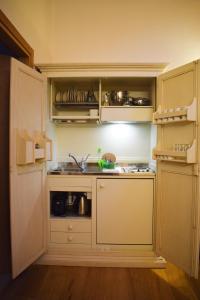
124,211
27,185
177,225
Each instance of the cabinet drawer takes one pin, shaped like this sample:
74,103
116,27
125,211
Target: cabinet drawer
71,225
58,225
70,238
66,184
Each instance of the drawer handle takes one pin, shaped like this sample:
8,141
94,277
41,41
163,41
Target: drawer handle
69,238
70,227
102,185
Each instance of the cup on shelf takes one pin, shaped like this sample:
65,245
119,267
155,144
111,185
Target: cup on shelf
170,119
177,108
93,112
183,118
181,147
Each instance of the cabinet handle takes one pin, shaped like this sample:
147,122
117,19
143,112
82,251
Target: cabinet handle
70,227
102,185
69,238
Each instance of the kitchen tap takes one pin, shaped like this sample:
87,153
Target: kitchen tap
82,164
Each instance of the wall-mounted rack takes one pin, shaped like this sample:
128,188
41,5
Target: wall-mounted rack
177,114
188,156
32,148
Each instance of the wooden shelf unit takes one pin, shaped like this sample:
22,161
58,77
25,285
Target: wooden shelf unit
72,107
66,108
188,156
32,148
177,114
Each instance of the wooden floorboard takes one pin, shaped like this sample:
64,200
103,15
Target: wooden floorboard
82,283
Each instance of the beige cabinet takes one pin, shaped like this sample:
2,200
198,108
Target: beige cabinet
177,154
82,92
125,211
176,209
27,180
69,229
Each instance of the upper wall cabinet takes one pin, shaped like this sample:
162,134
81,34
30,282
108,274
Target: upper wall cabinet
102,92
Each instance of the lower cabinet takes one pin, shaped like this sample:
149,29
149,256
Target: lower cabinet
120,217
70,231
124,211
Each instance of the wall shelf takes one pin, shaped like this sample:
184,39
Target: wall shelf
32,148
188,156
44,144
177,114
77,119
77,105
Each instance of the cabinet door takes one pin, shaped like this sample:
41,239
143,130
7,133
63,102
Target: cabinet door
177,226
124,211
27,185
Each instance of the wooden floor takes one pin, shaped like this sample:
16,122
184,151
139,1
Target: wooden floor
82,283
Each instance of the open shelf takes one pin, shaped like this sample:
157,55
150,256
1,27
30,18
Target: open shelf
75,119
188,156
177,114
77,105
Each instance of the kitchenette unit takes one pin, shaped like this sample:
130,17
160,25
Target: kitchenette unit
134,214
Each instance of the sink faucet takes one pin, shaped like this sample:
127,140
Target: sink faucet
81,165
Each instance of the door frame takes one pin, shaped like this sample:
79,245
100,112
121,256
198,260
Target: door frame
13,40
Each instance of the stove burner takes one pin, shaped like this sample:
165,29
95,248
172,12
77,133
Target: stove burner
137,170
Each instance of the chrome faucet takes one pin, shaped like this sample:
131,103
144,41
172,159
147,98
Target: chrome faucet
82,164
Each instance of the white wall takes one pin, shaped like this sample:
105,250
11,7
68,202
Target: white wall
126,31
129,142
32,18
108,31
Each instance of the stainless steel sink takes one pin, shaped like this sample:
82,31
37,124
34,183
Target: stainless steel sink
65,171
72,169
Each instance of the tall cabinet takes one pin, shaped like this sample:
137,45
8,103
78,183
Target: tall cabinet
28,150
177,154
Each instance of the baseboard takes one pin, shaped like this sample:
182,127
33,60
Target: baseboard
103,261
4,280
